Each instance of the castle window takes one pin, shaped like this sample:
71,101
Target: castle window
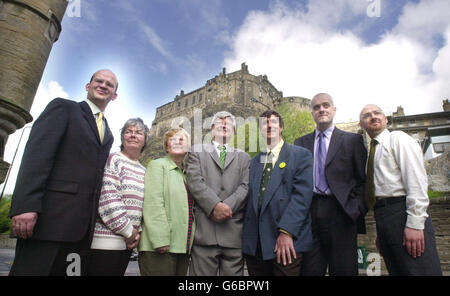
200,98
179,105
193,100
186,103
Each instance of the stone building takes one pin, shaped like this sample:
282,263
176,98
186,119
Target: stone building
28,29
419,126
241,93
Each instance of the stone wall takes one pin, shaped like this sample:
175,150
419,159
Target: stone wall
438,172
6,242
439,210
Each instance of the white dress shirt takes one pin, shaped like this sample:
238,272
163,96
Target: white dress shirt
327,137
399,170
275,153
218,145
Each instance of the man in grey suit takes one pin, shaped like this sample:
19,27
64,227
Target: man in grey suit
217,176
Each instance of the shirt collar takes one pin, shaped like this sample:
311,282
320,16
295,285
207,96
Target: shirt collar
172,163
277,149
93,107
217,145
328,132
383,136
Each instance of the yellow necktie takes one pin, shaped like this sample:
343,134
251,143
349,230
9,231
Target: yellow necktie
99,122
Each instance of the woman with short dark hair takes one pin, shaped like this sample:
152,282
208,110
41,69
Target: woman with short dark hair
117,230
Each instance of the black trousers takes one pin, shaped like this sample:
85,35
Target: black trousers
390,224
46,258
256,266
334,240
108,262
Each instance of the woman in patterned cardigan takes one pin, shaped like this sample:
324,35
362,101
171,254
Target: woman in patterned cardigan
117,230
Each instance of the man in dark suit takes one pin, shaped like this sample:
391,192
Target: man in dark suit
277,225
55,200
338,208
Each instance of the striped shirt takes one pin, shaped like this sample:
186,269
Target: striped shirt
120,203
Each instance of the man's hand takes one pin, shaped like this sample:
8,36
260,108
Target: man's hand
221,212
414,241
133,240
285,248
162,250
23,224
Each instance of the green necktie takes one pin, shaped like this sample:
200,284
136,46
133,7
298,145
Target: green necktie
223,155
370,184
265,178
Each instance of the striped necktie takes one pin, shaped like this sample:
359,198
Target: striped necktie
223,155
267,171
99,122
321,156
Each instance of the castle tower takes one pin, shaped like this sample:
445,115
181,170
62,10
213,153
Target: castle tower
28,29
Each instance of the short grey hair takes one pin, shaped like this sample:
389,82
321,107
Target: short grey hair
139,123
322,95
223,115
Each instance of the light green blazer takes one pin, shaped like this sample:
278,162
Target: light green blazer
166,210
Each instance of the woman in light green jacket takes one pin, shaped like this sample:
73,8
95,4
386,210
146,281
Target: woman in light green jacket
168,224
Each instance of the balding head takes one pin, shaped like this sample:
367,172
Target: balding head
323,111
322,96
102,88
373,120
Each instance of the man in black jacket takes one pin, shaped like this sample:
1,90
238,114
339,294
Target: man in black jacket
55,200
337,208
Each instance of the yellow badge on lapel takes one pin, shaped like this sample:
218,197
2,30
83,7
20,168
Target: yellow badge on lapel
282,165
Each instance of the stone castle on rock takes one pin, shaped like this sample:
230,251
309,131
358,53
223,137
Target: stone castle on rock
241,93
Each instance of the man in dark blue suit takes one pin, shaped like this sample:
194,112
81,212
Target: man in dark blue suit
338,208
55,201
277,226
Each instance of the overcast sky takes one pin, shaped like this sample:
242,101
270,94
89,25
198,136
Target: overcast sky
389,52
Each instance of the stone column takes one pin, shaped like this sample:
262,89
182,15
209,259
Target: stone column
28,29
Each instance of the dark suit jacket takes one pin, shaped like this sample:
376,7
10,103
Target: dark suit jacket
285,205
345,171
60,176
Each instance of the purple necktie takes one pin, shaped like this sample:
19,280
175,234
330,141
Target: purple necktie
321,181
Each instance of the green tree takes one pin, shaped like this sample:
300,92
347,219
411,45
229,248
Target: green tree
5,221
250,132
297,123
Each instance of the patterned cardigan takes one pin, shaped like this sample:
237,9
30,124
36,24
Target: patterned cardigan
120,204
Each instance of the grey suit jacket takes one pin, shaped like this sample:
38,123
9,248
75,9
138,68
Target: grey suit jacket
210,184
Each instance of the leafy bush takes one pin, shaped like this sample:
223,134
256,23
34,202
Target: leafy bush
433,194
5,221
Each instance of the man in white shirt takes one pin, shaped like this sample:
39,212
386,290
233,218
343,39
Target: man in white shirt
396,187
